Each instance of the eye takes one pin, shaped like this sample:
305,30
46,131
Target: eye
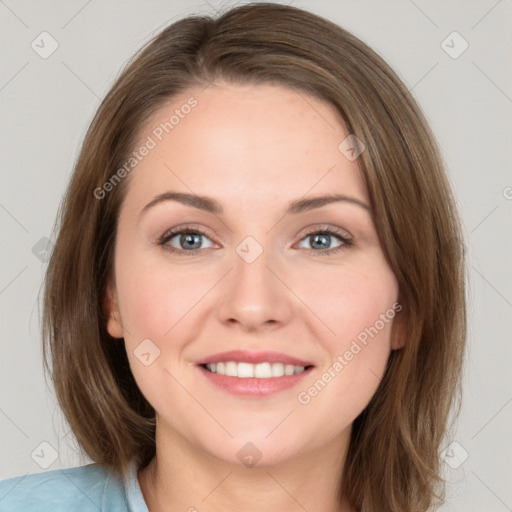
190,240
320,241
184,240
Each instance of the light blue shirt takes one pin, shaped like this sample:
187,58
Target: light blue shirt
90,488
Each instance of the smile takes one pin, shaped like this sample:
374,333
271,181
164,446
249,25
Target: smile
254,380
244,370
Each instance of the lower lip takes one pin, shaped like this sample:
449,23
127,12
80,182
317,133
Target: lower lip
254,387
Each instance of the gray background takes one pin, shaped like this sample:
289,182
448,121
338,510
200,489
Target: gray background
46,105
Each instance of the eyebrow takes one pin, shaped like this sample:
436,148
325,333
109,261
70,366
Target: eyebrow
210,205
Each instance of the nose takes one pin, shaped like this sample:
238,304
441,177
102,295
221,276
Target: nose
255,296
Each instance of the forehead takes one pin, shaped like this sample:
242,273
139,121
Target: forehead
244,144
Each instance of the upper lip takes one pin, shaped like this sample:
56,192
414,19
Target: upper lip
243,356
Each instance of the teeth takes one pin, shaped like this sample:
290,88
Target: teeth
258,371
263,371
231,369
277,369
244,370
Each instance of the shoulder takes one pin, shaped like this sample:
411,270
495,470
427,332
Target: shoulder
85,488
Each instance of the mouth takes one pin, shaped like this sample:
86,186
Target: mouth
244,370
254,374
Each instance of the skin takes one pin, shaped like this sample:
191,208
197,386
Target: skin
253,149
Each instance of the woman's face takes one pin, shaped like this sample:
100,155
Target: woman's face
227,260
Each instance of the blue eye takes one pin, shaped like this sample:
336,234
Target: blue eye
188,240
320,241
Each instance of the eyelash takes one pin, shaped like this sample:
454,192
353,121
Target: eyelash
168,235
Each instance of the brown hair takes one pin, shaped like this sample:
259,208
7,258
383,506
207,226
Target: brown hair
393,462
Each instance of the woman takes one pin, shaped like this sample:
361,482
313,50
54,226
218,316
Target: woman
256,296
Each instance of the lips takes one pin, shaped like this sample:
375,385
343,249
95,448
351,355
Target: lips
254,374
242,356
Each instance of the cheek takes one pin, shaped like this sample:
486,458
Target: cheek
356,307
350,298
155,304
154,297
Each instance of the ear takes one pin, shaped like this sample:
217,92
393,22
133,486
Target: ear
399,328
110,306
